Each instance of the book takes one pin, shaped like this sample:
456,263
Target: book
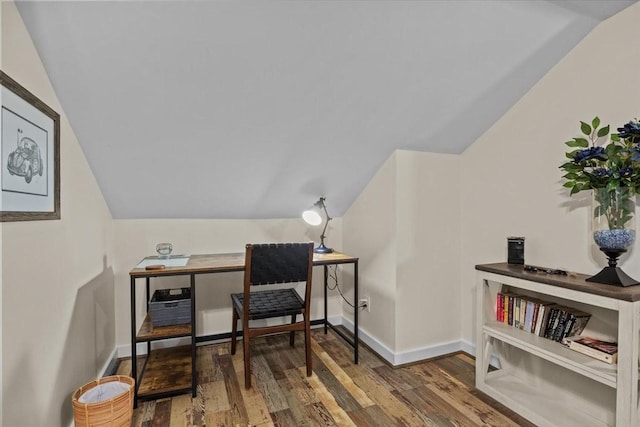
579,325
558,331
579,321
528,316
602,350
553,321
543,316
523,312
508,307
534,318
571,319
548,309
505,308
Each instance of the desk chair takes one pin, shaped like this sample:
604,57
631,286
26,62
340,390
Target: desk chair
267,264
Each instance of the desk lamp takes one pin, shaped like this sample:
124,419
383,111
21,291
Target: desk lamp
313,216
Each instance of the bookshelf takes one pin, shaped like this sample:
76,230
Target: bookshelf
543,380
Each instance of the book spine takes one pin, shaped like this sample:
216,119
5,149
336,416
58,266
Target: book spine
511,307
516,312
505,312
523,312
529,316
568,327
499,307
540,320
559,329
553,316
534,321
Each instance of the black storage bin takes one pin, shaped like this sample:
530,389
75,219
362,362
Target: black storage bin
170,307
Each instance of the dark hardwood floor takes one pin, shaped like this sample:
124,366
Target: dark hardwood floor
438,392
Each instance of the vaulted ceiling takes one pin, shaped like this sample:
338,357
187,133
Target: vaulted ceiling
254,109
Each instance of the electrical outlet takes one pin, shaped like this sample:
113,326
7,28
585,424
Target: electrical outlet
364,304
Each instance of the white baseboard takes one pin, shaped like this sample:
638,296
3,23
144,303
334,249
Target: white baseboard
415,355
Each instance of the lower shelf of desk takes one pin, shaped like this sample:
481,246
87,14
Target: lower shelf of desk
167,372
148,333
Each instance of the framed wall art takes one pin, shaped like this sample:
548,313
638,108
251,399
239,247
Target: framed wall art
30,155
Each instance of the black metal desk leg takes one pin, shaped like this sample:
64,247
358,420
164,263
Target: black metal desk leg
147,296
355,316
194,374
134,364
325,298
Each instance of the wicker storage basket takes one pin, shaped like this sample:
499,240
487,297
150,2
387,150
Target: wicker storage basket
113,410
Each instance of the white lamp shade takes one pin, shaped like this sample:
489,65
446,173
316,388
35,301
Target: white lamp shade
312,216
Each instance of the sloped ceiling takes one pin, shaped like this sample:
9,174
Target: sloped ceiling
253,109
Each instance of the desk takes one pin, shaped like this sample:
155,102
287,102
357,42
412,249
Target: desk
205,264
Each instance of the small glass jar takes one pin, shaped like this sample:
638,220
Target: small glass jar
164,249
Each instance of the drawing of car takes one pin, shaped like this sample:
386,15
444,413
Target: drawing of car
25,160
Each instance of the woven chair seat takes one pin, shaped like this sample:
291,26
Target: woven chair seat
273,303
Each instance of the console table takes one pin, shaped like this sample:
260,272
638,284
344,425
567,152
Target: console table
182,360
543,380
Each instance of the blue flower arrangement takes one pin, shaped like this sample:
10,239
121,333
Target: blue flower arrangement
595,163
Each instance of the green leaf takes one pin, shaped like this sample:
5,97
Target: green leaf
595,122
575,189
571,175
585,128
612,150
571,167
603,132
569,184
578,142
615,137
613,184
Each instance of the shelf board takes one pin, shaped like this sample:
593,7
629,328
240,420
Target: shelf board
167,371
148,333
534,405
554,352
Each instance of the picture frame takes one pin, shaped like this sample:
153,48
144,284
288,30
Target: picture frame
29,155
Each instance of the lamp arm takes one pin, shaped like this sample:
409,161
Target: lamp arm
322,236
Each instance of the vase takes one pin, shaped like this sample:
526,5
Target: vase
613,226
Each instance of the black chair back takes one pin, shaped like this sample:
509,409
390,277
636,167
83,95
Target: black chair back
272,263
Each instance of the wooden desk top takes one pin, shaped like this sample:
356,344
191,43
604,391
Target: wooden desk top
577,282
219,263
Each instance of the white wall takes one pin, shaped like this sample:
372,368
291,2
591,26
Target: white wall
369,233
405,227
511,184
428,248
136,239
58,325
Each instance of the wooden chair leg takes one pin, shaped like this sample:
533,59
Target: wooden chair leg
234,330
307,343
247,359
292,334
